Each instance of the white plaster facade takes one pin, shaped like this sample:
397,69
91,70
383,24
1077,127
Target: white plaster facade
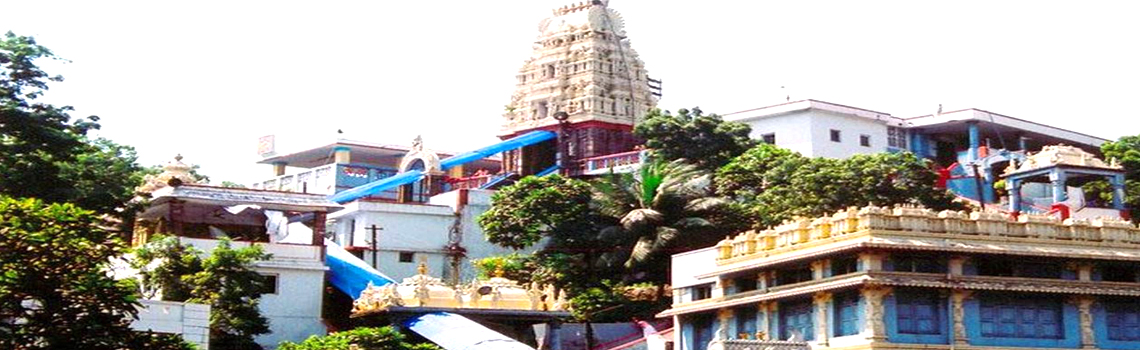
294,310
191,321
421,230
806,127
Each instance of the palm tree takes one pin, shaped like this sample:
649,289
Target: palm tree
665,207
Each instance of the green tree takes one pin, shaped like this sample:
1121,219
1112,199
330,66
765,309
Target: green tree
664,208
54,289
705,140
228,283
367,338
1126,151
773,184
42,148
176,262
557,210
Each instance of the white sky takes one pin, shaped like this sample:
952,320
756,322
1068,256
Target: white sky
207,78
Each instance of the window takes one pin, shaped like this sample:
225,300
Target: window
917,312
407,257
745,321
896,137
846,314
912,263
270,284
1009,268
769,138
1020,316
865,140
835,136
1123,320
843,266
795,318
702,292
793,275
744,284
1117,273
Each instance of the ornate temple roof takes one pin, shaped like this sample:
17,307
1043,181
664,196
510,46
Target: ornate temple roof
582,65
424,291
1062,156
173,170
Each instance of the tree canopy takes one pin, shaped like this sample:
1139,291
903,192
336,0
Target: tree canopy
1125,150
704,140
223,279
365,338
54,289
46,154
775,184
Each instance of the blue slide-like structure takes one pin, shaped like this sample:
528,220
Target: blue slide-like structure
411,176
351,275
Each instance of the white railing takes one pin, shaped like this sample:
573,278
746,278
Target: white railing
280,251
319,180
743,344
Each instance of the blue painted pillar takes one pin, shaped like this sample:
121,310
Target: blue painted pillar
1022,143
1014,188
1057,178
988,179
975,140
1117,182
916,143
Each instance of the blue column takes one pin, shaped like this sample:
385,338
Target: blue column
975,140
1117,182
1022,143
916,143
1014,188
988,192
1058,179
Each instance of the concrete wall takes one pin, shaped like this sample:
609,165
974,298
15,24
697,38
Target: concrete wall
850,128
809,133
191,321
792,130
422,229
294,311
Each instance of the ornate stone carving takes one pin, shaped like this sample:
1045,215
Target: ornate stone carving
174,171
1084,311
583,66
958,307
876,329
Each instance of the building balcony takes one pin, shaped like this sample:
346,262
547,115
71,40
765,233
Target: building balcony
328,179
618,163
285,255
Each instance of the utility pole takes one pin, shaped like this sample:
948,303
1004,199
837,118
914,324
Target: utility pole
374,229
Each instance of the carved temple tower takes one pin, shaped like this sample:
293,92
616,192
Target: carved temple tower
584,71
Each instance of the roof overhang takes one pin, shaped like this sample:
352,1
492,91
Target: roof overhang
226,196
956,121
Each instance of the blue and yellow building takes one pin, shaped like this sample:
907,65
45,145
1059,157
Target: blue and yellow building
912,278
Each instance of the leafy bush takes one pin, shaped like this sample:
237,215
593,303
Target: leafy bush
370,338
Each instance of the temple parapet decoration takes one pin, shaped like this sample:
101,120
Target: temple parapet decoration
794,234
496,293
1062,155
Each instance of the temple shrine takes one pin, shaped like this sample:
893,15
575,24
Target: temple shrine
907,278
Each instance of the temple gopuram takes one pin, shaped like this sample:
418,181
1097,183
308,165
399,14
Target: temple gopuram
585,82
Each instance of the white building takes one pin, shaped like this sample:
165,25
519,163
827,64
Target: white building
407,233
821,129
